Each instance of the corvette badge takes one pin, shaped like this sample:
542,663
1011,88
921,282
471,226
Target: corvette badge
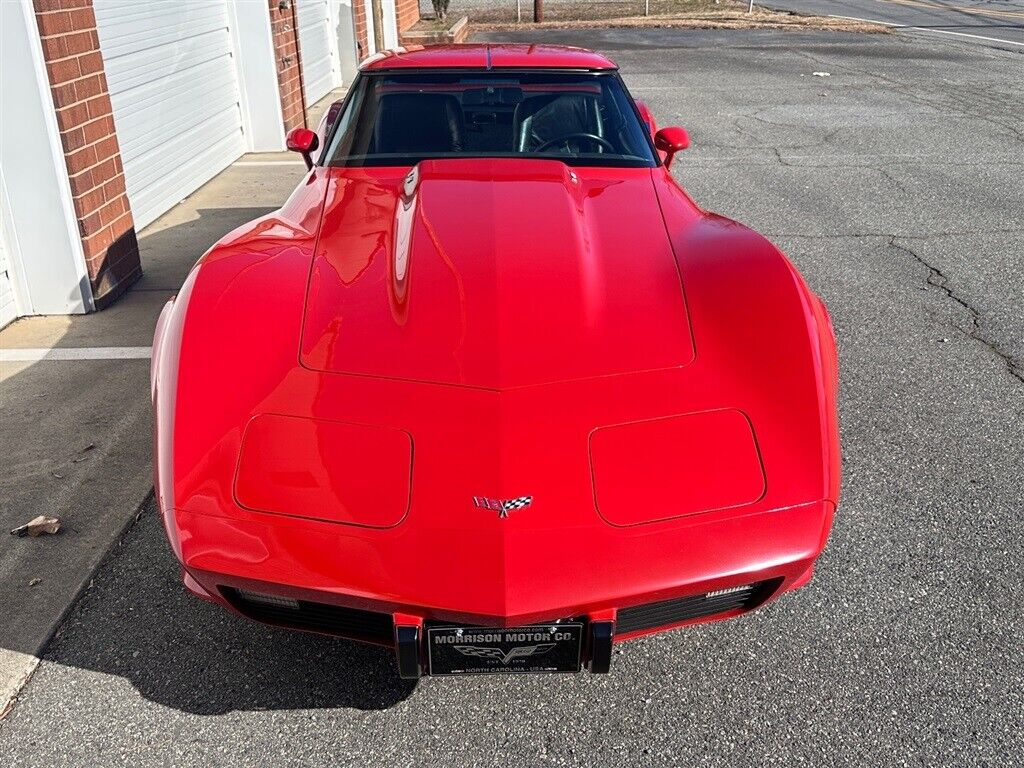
502,506
504,657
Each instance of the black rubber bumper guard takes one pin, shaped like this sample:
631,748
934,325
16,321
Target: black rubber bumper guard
408,648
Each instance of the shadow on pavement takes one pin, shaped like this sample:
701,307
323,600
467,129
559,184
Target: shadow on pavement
75,435
166,263
137,622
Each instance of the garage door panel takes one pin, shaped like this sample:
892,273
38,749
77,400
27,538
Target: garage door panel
123,36
177,104
184,146
200,167
149,66
167,38
180,127
321,71
179,153
176,100
173,84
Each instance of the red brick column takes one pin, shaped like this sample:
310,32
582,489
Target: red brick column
362,30
407,13
284,33
71,48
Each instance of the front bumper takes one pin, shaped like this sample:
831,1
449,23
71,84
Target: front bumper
265,570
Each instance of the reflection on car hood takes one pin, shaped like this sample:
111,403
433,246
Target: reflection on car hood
494,274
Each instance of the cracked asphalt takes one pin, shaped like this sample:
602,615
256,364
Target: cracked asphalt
895,184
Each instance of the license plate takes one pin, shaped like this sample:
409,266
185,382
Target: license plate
475,650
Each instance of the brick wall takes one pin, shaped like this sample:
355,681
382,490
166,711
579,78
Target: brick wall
71,49
362,32
407,12
289,72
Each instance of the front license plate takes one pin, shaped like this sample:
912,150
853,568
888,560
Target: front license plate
474,650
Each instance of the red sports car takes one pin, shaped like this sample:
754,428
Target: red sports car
490,388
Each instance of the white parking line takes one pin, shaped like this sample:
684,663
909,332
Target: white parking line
269,162
925,29
965,34
32,355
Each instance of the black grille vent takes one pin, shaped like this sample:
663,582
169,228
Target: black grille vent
666,612
318,617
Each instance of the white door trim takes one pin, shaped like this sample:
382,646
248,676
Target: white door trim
256,62
42,238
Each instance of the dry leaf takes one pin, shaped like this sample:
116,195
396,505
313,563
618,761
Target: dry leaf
37,526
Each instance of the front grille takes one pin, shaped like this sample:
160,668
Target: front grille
666,612
317,617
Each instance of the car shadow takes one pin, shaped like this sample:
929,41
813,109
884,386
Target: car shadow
137,621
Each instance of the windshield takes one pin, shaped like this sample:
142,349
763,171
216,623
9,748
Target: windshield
394,118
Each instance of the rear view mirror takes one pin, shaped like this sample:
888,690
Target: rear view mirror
670,141
305,142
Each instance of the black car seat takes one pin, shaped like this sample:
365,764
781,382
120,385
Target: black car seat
543,118
418,123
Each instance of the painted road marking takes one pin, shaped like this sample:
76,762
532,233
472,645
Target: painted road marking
33,355
959,9
964,34
251,163
918,29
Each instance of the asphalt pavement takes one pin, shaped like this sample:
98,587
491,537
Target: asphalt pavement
894,184
995,22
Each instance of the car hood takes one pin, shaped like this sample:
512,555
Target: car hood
494,274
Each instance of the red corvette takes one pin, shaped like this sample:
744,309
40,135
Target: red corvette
490,389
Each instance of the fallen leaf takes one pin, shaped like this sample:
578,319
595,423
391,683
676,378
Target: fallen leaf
37,526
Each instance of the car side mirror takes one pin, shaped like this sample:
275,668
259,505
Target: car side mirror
670,141
305,142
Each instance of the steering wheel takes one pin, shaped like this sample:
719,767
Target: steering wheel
588,136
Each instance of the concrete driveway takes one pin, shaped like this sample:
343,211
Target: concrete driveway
894,184
75,413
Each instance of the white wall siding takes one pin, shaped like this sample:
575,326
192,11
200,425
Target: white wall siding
8,311
390,24
173,79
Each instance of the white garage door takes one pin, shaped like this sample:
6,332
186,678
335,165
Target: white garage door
173,82
318,49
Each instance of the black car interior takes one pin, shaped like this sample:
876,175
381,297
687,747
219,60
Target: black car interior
414,123
409,118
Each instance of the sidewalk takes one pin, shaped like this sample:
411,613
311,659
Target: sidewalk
75,433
